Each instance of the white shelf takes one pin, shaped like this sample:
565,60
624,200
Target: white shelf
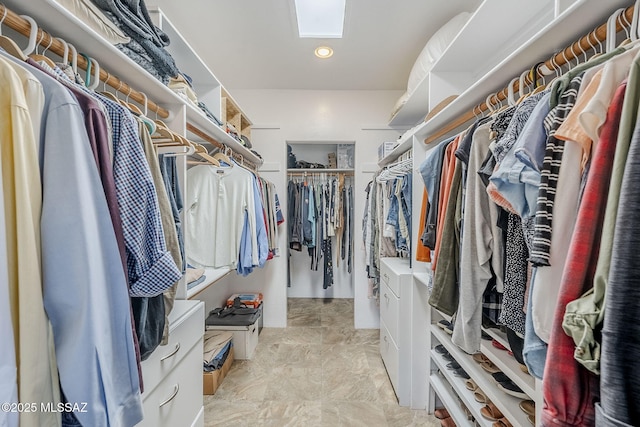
59,22
497,335
458,385
398,266
450,400
201,121
577,20
441,314
320,170
509,365
212,275
182,52
508,405
416,107
477,41
403,147
422,278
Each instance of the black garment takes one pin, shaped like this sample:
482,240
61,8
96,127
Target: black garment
148,314
306,225
328,264
515,276
350,227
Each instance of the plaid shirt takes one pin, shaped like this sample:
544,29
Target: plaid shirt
569,389
150,267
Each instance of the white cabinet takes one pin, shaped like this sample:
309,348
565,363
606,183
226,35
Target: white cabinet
395,324
173,373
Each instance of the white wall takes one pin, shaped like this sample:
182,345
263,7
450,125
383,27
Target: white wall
296,115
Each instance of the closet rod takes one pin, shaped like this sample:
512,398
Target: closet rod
320,172
22,26
599,35
197,131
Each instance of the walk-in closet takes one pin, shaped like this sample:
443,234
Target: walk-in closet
319,213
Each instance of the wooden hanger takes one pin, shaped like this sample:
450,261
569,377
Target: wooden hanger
203,153
222,156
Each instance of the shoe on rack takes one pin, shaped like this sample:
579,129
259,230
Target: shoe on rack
480,358
502,422
441,413
470,385
447,422
449,329
510,388
443,324
532,419
449,357
497,345
453,365
440,349
500,377
490,412
485,336
528,407
461,373
489,367
480,397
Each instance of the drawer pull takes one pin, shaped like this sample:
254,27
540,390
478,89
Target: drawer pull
385,339
386,295
176,389
385,276
173,353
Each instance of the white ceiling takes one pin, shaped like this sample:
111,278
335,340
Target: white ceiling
253,44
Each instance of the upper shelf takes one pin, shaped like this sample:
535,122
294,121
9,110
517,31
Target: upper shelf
578,19
59,22
182,52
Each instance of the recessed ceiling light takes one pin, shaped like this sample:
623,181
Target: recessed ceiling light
324,52
320,19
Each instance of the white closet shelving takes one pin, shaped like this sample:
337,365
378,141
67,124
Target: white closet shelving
173,373
502,39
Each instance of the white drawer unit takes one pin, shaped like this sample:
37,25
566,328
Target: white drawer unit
395,324
173,373
390,309
389,352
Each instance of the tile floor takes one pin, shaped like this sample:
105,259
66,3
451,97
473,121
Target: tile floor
319,371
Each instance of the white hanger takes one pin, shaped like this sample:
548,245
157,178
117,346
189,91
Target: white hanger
96,74
487,102
611,30
522,84
74,59
510,95
33,35
65,55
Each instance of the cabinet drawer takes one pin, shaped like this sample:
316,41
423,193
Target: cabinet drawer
177,400
389,278
390,310
389,352
184,332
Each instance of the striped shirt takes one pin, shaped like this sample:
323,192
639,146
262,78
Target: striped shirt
549,174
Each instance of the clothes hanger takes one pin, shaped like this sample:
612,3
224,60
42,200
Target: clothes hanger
41,57
543,86
626,26
204,154
65,54
11,47
222,156
611,30
521,88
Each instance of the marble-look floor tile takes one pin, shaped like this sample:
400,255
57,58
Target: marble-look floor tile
299,356
353,414
350,336
343,386
302,410
398,416
220,412
291,384
344,358
305,318
321,373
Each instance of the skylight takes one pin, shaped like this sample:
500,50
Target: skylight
320,18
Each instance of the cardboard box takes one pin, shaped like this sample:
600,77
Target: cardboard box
212,380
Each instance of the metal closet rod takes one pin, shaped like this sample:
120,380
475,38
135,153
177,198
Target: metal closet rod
599,35
22,26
